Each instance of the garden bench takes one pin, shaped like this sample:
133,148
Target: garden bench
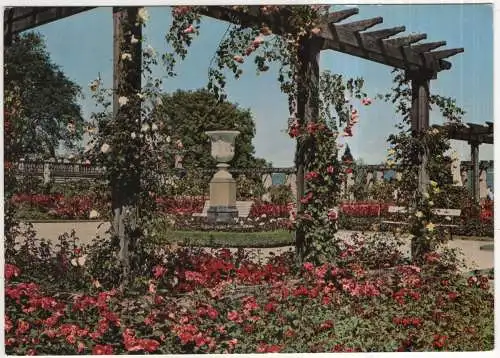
439,212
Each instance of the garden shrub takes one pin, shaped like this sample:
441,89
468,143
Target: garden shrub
281,195
195,301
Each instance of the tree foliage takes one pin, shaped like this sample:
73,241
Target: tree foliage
187,115
48,97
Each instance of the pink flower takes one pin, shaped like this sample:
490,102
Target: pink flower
330,169
316,30
258,41
366,101
158,271
188,30
238,59
308,266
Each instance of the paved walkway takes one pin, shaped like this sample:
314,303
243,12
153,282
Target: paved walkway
87,231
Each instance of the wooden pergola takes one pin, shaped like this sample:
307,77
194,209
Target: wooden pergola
421,61
475,134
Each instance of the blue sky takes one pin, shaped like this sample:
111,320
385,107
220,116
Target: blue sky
82,46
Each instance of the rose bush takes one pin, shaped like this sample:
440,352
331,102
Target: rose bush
195,301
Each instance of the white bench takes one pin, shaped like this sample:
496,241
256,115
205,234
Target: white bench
439,212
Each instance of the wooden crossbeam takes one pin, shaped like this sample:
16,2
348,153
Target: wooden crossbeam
384,33
405,40
426,47
341,15
361,25
24,18
430,56
375,45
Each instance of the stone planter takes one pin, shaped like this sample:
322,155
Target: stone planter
222,207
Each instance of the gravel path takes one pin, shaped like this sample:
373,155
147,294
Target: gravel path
87,231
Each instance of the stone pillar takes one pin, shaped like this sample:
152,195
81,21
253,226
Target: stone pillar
369,180
483,186
474,157
350,183
46,172
267,182
291,182
464,175
455,172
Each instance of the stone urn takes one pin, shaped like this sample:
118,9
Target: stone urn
222,207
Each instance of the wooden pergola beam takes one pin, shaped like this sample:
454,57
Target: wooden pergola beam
470,132
18,19
375,46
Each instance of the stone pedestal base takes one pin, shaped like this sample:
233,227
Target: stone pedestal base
222,197
222,214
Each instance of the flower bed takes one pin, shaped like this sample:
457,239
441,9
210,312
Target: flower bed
193,301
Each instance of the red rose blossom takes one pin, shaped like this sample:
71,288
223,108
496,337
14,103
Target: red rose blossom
100,349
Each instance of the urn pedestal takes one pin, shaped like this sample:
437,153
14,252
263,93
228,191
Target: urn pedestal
222,186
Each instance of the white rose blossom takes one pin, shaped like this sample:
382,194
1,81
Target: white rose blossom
105,148
150,51
143,15
126,57
122,100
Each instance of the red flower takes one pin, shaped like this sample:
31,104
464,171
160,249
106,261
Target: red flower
326,325
333,214
308,266
11,271
294,129
8,324
311,176
432,257
100,349
268,348
158,271
439,340
290,333
233,316
71,339
22,327
301,291
212,312
330,169
306,198
149,345
348,171
312,128
452,296
270,307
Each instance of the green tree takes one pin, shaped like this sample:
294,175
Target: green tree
186,115
51,114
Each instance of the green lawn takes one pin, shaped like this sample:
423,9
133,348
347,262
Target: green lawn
231,239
